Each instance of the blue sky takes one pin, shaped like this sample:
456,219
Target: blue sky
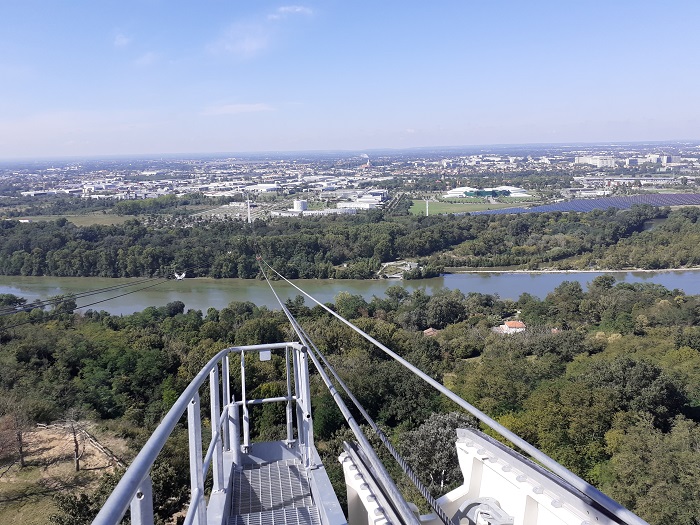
105,77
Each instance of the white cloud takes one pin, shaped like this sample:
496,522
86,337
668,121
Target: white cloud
283,11
121,40
236,109
246,40
242,40
146,59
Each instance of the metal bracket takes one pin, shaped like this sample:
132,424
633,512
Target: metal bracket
482,511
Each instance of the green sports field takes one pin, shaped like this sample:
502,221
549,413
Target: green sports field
438,208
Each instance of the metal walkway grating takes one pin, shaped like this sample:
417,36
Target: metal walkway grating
290,516
272,494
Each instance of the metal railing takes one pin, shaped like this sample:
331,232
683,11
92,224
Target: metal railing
135,488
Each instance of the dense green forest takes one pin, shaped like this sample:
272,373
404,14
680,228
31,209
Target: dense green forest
354,246
606,380
18,206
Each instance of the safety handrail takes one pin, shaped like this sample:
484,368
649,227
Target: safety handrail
134,489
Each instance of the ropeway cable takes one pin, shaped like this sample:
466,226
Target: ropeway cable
401,505
383,438
56,300
572,479
96,291
405,467
62,297
51,316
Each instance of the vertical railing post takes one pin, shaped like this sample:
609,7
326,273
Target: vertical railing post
218,458
194,429
233,423
226,384
307,423
297,393
246,415
142,504
290,428
235,431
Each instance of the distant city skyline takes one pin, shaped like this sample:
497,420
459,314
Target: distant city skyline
140,77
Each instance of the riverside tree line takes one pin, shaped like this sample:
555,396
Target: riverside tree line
354,246
606,380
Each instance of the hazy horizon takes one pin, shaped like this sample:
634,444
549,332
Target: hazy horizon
153,77
466,148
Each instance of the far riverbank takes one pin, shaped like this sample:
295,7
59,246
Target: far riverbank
552,270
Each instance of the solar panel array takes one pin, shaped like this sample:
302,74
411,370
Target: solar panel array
622,203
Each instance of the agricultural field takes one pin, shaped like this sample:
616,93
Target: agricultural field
83,220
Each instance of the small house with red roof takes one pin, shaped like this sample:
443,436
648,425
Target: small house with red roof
510,327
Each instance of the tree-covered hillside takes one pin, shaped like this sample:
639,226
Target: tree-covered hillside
604,380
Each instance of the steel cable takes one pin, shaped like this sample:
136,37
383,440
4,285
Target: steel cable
565,474
315,355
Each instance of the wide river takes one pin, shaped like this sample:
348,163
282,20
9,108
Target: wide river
201,294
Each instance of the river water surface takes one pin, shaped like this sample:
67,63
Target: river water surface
201,294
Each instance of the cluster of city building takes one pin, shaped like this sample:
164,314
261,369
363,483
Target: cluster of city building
668,162
356,182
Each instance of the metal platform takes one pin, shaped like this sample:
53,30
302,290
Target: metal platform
275,493
294,516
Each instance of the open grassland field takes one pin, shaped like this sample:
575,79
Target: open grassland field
27,494
317,205
195,207
463,200
438,208
519,200
84,220
682,189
